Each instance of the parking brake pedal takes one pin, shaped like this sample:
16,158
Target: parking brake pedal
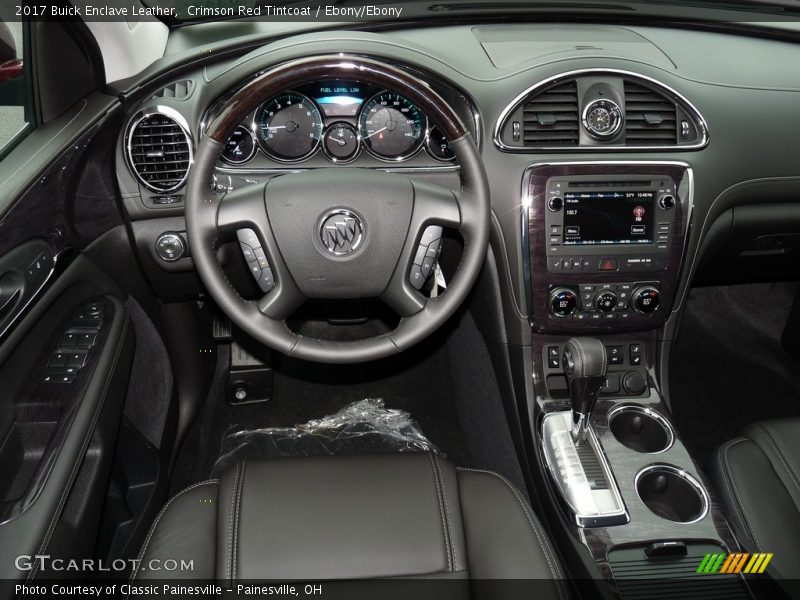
249,379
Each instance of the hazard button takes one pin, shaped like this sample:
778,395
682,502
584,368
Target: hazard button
608,264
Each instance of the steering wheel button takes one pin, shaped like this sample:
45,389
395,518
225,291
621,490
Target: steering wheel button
427,266
249,237
255,269
417,278
267,280
422,251
261,258
431,233
433,249
247,251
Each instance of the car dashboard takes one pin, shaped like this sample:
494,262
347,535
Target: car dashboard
614,158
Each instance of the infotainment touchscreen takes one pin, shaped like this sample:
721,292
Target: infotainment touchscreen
608,217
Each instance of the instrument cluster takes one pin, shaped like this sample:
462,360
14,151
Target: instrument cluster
340,119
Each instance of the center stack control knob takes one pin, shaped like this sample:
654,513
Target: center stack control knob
667,201
563,302
605,301
646,299
556,203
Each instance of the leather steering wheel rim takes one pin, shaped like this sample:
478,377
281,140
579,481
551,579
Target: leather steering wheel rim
207,214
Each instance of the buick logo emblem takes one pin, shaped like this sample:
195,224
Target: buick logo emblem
341,232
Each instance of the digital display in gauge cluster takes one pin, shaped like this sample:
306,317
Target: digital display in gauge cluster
339,98
339,118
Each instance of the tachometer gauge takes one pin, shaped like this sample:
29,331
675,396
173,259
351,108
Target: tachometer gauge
240,146
392,127
289,127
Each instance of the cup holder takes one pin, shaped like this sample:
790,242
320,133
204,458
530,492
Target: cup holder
641,429
672,493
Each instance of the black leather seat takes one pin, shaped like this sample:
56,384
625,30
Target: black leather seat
758,478
354,518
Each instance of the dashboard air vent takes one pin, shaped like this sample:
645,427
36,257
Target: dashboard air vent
160,152
550,118
178,90
650,117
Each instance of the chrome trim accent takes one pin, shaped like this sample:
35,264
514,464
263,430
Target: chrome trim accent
326,152
572,496
252,154
180,120
638,408
424,78
388,169
396,159
332,238
430,152
614,109
526,202
678,97
684,475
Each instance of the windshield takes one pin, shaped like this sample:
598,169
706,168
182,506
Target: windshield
355,11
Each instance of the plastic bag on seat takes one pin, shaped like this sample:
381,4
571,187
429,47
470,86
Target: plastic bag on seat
362,427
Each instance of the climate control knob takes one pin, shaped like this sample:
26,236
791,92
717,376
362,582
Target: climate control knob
605,301
646,299
563,302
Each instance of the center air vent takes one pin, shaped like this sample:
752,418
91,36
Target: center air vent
550,118
607,110
159,152
650,117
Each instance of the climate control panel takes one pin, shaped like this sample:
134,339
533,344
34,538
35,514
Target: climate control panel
609,301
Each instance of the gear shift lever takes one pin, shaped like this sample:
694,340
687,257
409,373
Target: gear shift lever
585,365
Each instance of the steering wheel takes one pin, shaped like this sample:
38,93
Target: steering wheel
382,218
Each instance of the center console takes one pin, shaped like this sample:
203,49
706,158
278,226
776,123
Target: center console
604,243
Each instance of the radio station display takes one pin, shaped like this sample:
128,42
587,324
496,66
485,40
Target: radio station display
608,217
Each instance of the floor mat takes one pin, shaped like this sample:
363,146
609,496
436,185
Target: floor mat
419,383
729,367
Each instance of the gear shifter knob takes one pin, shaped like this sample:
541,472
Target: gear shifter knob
585,364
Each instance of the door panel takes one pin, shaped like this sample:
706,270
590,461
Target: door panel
66,344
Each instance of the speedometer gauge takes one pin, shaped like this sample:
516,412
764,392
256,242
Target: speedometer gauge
289,127
391,126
